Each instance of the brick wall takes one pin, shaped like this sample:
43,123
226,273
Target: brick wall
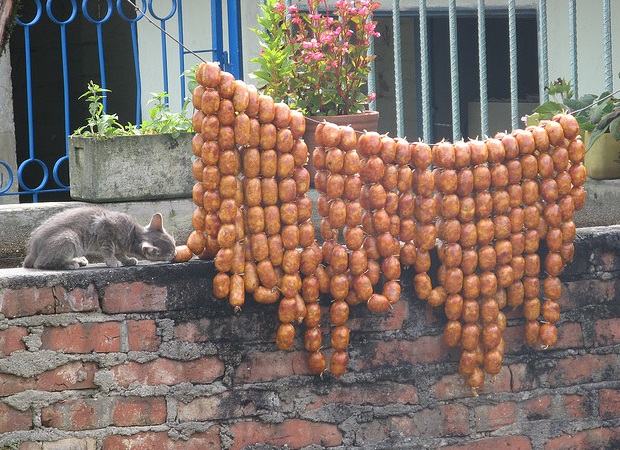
143,358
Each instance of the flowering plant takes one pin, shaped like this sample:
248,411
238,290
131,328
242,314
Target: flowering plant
317,60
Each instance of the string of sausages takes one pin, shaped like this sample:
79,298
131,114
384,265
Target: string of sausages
483,206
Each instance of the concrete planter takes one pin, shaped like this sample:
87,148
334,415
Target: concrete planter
126,168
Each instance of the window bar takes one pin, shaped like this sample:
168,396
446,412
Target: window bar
572,37
607,66
514,87
99,25
543,60
482,69
164,50
65,83
372,86
454,71
398,74
424,72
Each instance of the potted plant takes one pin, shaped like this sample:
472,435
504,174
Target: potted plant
599,123
317,60
111,162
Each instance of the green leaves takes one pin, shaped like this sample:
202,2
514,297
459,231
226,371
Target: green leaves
162,121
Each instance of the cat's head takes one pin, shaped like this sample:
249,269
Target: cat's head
157,244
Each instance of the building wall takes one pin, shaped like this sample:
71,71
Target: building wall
144,358
7,125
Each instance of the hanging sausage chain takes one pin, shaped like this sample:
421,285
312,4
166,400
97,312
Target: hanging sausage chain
385,204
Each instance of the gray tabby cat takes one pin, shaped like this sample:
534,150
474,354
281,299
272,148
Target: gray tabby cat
64,240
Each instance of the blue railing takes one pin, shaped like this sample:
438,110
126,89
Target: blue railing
145,10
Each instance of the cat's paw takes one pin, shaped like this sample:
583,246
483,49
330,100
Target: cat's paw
72,265
82,261
113,263
130,262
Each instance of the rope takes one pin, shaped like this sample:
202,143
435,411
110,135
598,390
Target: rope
482,69
398,86
454,72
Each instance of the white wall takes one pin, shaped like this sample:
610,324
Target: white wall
7,127
589,44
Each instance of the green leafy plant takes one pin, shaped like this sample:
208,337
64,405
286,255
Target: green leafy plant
595,114
317,60
164,121
161,120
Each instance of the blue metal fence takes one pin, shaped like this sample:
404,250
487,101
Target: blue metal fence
145,10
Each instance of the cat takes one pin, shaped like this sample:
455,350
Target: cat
64,240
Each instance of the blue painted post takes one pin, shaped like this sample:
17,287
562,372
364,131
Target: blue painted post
424,72
454,72
372,87
234,38
217,30
181,52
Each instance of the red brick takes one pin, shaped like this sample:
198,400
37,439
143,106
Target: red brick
11,340
137,411
452,386
569,335
26,302
609,403
83,338
142,335
134,297
537,408
168,372
193,331
14,420
294,433
161,441
221,406
521,379
425,349
91,413
62,444
76,300
596,438
498,443
607,331
376,394
392,320
586,292
268,366
75,375
445,420
492,417
575,406
585,369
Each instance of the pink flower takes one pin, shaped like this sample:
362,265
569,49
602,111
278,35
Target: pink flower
280,7
372,96
316,56
293,9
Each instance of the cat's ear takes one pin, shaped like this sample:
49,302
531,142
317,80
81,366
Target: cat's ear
149,249
157,223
